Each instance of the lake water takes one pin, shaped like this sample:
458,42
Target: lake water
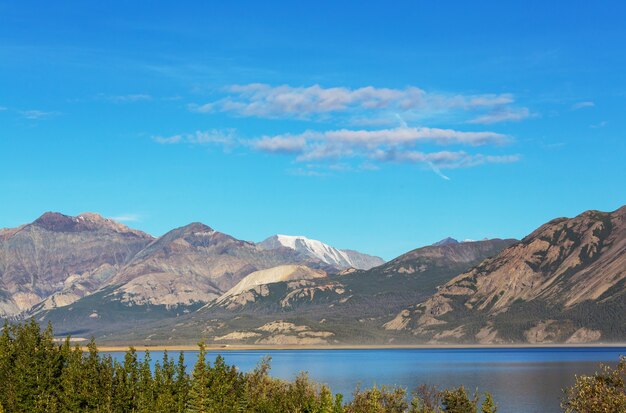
521,380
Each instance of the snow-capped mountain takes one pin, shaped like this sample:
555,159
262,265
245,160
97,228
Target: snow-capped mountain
323,252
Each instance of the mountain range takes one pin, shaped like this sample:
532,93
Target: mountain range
92,276
565,282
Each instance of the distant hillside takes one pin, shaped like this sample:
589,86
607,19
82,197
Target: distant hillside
565,282
447,255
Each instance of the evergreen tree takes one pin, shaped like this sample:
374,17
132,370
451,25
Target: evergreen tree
145,386
181,384
488,406
326,400
458,401
338,404
73,379
198,399
8,391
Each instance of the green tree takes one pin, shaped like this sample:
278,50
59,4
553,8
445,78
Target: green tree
338,404
378,400
181,384
125,383
603,392
488,406
458,401
426,399
198,399
225,387
146,394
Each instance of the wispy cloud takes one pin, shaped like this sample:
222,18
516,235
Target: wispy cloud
223,137
445,159
34,114
599,125
167,139
3,108
502,114
581,105
136,97
285,101
345,143
308,171
127,218
375,141
281,144
352,150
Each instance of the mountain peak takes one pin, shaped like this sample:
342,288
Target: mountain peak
87,221
318,250
197,227
446,241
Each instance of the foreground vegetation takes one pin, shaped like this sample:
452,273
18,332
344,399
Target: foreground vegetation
39,374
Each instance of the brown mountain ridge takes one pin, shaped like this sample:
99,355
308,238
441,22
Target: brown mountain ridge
565,282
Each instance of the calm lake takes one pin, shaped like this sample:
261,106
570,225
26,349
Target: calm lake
521,380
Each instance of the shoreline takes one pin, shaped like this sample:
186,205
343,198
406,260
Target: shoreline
252,347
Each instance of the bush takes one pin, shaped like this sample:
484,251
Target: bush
603,392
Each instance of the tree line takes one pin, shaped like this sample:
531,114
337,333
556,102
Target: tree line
40,374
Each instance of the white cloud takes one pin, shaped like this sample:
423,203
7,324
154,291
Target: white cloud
503,114
386,145
581,105
167,140
224,137
127,218
352,150
34,114
599,125
307,172
131,98
444,159
280,144
285,101
3,108
218,136
342,143
406,135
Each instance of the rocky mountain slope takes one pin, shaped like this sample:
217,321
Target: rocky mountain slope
566,281
444,255
257,284
319,251
347,307
195,264
58,259
87,271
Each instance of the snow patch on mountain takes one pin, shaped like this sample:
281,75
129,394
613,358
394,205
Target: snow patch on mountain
321,251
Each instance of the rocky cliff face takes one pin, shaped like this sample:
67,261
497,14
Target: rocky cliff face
59,258
552,286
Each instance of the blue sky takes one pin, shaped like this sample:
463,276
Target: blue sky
366,125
